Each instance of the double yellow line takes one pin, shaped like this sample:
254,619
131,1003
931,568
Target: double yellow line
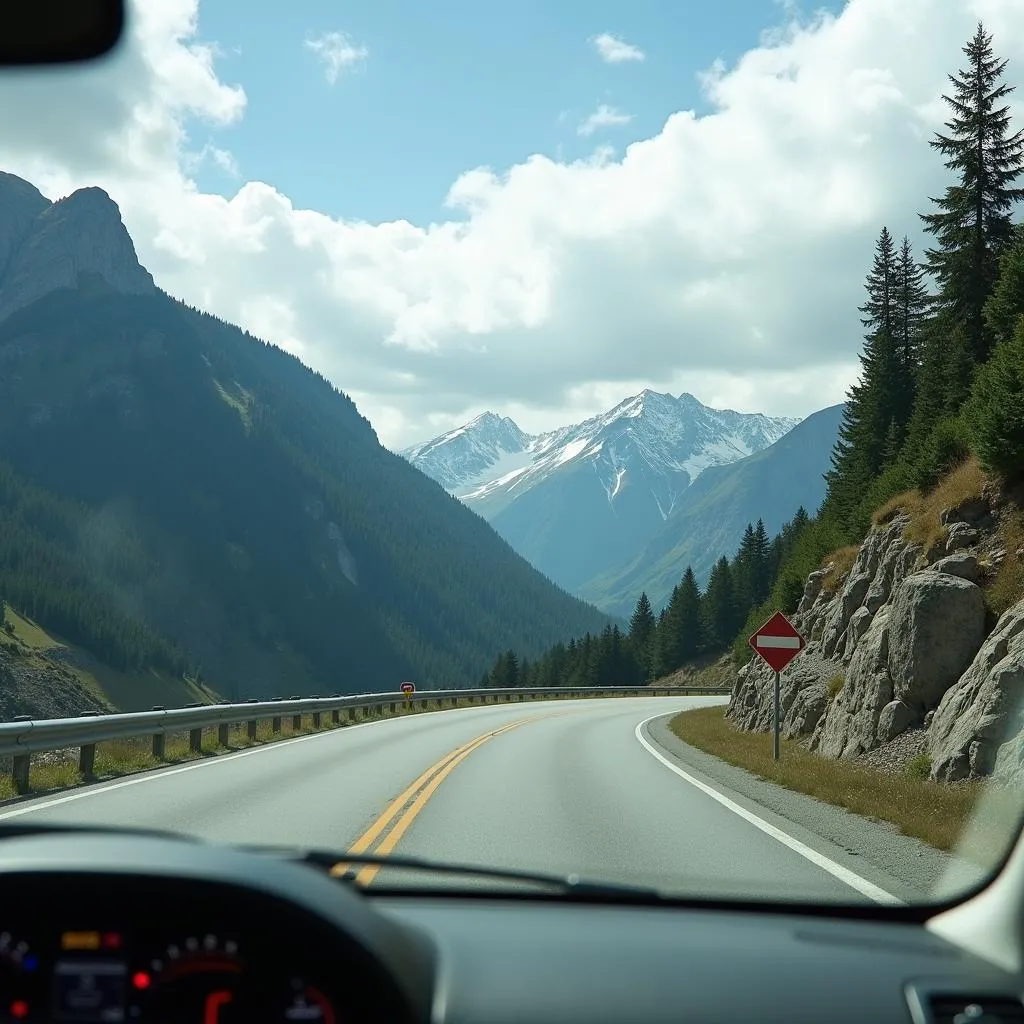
402,811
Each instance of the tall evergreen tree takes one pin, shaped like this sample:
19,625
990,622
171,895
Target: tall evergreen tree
913,304
719,607
874,401
642,625
1005,305
971,222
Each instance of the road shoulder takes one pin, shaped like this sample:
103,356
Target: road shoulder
907,868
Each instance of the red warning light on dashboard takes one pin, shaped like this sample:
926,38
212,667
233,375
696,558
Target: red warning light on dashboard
111,940
19,1009
141,980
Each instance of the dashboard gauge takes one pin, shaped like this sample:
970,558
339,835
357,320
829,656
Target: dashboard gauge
197,979
22,986
308,1004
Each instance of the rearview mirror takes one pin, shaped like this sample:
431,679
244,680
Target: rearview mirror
58,31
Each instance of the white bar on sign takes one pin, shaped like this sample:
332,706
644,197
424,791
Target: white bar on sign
790,643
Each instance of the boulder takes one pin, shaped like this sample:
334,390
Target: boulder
937,624
896,718
961,535
977,727
970,510
850,726
962,564
803,696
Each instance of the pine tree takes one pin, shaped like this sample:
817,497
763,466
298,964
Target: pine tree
913,304
996,409
1005,305
972,224
874,401
689,624
718,607
642,626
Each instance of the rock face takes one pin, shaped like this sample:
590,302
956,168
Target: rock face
901,644
78,241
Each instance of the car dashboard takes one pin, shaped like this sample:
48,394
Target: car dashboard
112,928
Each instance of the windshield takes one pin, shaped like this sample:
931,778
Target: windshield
580,440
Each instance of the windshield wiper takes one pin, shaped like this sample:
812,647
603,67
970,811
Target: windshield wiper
330,861
566,885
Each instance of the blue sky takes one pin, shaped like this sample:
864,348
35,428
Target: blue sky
450,85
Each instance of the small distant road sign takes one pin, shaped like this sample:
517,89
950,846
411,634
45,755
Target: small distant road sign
408,689
778,642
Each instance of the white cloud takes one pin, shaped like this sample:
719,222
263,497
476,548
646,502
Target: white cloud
337,53
723,256
613,50
604,117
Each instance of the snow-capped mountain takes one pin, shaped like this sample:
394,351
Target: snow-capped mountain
472,453
579,500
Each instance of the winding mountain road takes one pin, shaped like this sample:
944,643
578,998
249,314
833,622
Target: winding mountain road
563,786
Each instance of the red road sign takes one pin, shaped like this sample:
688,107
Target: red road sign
778,642
408,688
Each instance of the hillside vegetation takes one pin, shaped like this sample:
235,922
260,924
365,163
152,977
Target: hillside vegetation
178,498
937,413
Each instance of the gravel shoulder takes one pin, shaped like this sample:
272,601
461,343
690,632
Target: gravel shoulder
905,867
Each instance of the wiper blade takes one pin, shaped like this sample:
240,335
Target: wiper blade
338,865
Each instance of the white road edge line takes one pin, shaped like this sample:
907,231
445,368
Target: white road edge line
156,774
854,881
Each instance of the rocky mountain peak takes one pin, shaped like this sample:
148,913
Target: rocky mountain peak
62,245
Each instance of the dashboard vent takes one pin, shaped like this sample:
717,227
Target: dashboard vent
955,1008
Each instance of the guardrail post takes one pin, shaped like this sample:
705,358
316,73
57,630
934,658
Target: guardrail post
21,764
195,740
392,707
159,738
351,714
296,723
223,734
252,724
87,752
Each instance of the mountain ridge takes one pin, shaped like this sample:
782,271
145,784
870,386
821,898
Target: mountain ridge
176,491
580,500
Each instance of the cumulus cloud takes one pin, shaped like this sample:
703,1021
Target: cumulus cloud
613,50
604,117
337,53
724,255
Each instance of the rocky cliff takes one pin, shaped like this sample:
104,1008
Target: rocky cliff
904,643
78,240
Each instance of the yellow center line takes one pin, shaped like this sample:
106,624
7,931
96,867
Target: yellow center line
419,792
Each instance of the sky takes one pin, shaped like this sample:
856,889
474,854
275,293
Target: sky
535,208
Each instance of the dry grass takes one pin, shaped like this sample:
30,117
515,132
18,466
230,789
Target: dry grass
930,811
720,671
960,485
1008,585
839,563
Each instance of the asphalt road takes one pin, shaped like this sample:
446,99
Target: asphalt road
564,786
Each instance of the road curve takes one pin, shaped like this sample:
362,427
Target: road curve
562,786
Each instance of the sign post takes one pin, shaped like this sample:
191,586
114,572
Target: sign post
778,642
408,689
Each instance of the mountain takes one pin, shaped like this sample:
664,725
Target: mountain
711,515
177,495
579,501
462,459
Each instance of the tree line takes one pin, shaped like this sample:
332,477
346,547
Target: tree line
941,379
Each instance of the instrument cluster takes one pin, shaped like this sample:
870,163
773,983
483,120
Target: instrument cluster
107,976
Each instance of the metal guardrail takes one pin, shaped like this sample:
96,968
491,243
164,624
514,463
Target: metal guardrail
24,736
